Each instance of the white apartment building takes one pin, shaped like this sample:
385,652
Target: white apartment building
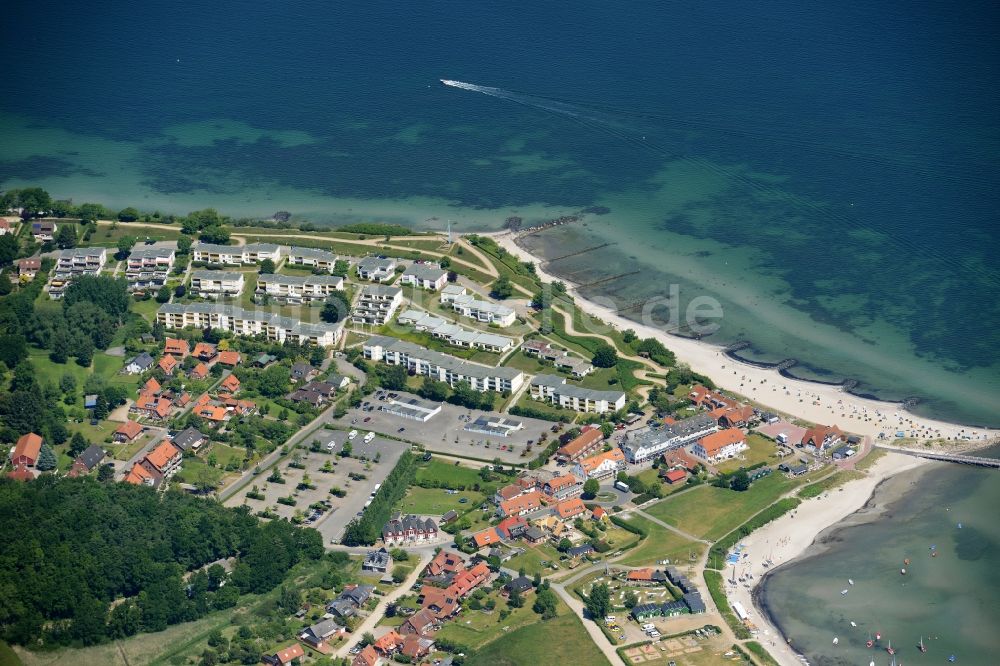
235,255
247,323
72,263
425,276
555,390
644,445
212,284
376,304
296,289
454,334
442,367
376,269
148,267
310,257
468,305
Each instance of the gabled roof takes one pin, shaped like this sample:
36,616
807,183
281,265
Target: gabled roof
487,537
231,384
581,443
138,475
21,473
558,483
91,456
187,438
167,363
593,462
151,386
199,371
161,456
570,508
527,502
176,346
143,360
130,429
289,653
718,440
204,350
229,358
29,445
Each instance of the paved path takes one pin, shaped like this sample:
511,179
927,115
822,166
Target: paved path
670,527
373,618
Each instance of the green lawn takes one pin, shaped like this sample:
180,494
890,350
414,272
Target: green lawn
108,237
437,344
476,628
661,544
530,364
711,512
762,450
561,640
547,409
7,656
147,309
532,560
444,473
436,501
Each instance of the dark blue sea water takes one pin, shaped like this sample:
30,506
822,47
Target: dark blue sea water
837,161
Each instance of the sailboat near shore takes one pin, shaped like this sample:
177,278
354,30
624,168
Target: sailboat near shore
923,648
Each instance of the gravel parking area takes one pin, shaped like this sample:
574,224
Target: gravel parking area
342,509
444,432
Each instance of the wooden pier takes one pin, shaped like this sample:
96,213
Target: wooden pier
959,458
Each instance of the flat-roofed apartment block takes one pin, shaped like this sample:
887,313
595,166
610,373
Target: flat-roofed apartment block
442,367
149,267
469,306
312,257
454,334
72,263
247,323
643,445
296,289
376,304
376,269
211,284
555,390
425,276
252,253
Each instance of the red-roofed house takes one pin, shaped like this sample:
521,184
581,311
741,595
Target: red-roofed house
151,406
284,656
166,458
465,582
417,647
703,397
512,527
26,450
439,602
522,504
230,358
230,384
570,508
507,493
141,476
151,386
214,413
367,657
168,364
487,537
720,445
640,576
563,487
28,268
128,431
673,476
204,351
199,371
588,443
599,513
445,562
735,417
419,623
176,347
822,437
389,643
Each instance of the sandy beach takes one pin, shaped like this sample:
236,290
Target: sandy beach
818,403
789,536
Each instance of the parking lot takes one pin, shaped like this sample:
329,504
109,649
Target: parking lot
445,433
331,523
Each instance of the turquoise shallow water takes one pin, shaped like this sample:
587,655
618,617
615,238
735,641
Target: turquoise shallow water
827,173
951,599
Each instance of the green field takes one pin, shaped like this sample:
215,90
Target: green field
147,309
661,544
710,512
436,501
445,474
561,640
762,450
108,237
533,557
